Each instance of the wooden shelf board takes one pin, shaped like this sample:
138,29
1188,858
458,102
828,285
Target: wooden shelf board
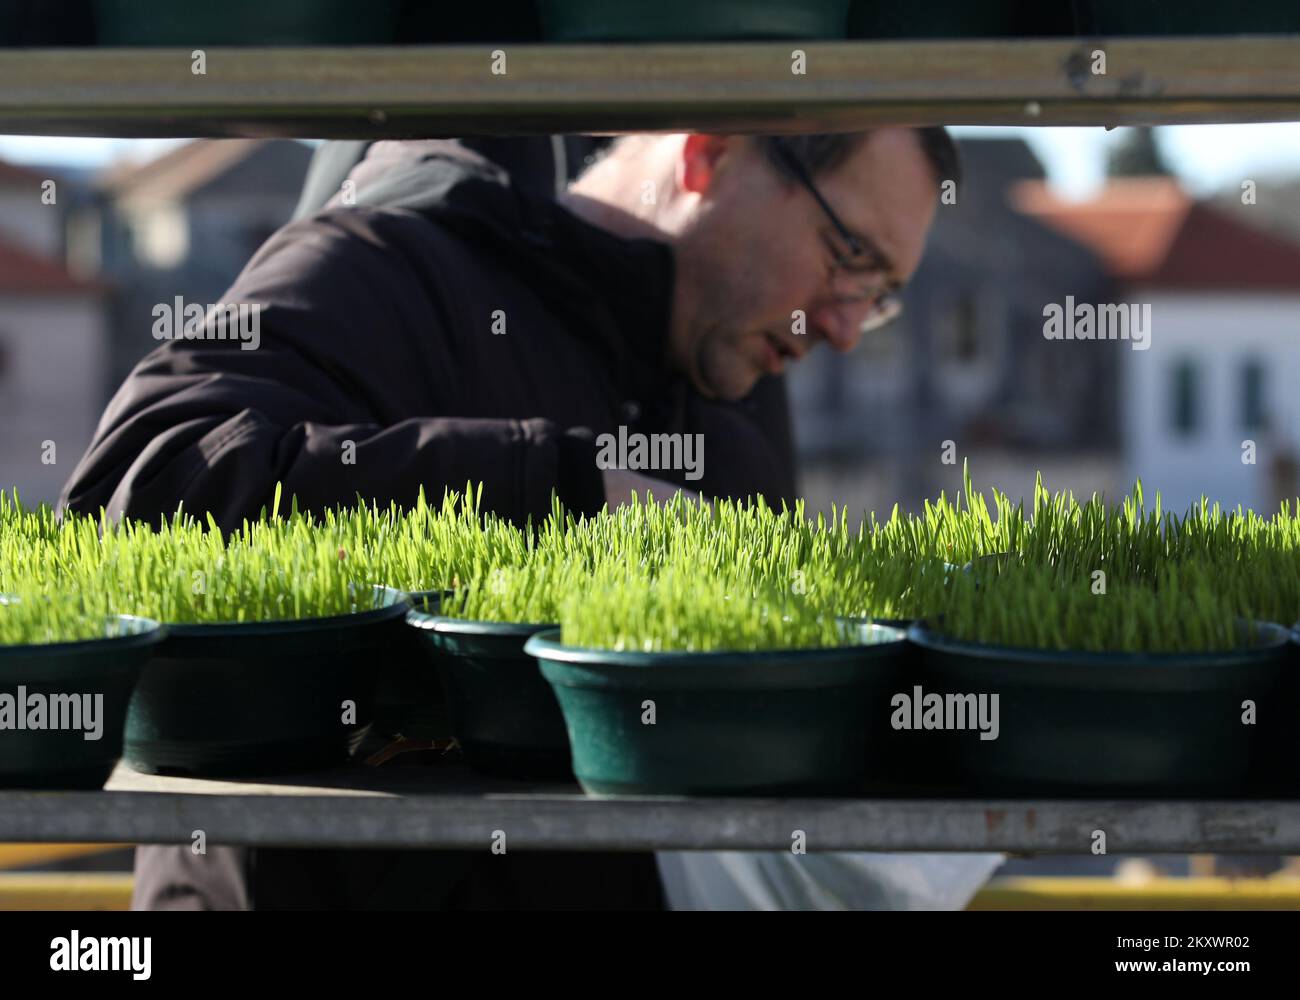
400,91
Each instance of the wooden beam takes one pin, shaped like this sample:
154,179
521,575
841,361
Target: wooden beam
743,87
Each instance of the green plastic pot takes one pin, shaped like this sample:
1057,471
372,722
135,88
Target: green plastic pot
503,714
261,697
411,700
902,762
425,22
1275,773
1076,723
46,23
1189,17
781,722
690,20
931,19
246,22
11,22
108,667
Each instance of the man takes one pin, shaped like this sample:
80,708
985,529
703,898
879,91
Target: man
461,329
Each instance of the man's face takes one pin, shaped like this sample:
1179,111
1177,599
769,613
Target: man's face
759,248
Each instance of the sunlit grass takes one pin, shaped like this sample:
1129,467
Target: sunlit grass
994,571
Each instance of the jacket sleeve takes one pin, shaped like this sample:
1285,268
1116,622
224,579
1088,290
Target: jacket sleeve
230,465
216,427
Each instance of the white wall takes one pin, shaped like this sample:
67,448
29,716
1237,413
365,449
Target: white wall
1217,333
28,223
51,388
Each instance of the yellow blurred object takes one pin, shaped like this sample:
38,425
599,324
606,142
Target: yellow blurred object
1281,893
31,855
66,891
112,891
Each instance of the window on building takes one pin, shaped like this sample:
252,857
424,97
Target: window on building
1252,395
1186,397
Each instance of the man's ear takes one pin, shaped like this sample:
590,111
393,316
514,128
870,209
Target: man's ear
701,157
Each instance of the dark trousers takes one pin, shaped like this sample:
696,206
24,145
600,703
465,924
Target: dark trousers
237,878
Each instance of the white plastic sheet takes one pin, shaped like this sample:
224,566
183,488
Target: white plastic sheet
782,880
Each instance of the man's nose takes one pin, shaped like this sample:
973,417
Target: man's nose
840,324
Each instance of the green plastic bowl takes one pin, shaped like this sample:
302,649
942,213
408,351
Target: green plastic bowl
690,20
11,23
246,22
931,19
261,697
423,22
1189,17
1275,773
109,667
503,714
411,700
1075,723
782,722
902,762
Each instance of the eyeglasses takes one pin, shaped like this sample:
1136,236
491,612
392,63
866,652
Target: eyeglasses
845,280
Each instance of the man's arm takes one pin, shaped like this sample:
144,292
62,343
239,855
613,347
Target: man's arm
215,426
231,465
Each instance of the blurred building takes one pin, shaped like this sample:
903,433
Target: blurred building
967,362
53,338
1208,407
184,223
1272,205
83,263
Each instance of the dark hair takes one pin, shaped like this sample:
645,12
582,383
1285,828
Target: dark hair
824,152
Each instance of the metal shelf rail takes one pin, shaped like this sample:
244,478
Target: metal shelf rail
745,87
452,808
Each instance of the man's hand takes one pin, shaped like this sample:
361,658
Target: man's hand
620,484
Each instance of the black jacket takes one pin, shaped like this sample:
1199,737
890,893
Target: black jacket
376,328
